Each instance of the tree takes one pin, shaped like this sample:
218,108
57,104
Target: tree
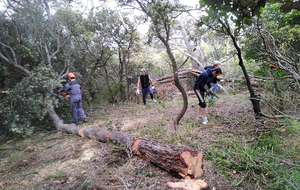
31,44
241,13
190,50
162,15
92,47
124,34
36,49
273,43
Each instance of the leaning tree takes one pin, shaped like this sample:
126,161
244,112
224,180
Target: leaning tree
32,47
37,47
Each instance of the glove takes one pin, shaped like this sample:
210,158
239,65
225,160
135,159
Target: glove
137,91
152,87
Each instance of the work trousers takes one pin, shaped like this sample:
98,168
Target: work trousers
76,109
144,91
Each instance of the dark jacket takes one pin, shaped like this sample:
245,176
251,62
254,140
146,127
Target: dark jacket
209,67
145,81
203,79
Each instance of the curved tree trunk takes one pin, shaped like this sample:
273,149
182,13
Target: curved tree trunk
165,23
253,97
177,83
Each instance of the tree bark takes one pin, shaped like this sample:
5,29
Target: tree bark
255,99
176,80
188,45
170,158
121,72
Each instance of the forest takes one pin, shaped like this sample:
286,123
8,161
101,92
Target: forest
251,141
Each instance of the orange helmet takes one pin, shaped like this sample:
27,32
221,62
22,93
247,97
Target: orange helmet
70,75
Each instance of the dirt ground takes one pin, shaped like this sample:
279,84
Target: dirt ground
57,160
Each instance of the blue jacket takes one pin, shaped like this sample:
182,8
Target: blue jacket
75,94
203,79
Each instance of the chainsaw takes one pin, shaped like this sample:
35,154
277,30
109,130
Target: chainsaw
61,96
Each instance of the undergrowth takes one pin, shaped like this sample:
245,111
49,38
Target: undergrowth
271,160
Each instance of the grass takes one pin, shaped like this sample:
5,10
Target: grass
60,174
154,131
272,160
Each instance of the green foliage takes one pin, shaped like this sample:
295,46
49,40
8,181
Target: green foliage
285,34
27,102
241,11
3,77
113,127
113,91
211,102
150,174
272,158
269,140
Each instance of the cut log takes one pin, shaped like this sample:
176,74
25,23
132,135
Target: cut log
188,163
172,158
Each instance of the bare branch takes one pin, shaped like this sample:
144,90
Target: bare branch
14,63
192,57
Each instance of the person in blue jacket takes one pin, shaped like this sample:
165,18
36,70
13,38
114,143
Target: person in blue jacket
75,98
214,80
199,87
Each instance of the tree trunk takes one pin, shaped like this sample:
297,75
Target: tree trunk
170,158
188,45
176,80
87,79
253,98
121,72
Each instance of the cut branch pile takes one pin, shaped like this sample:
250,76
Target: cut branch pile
187,163
165,85
190,73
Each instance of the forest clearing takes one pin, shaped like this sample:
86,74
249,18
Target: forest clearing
223,79
58,160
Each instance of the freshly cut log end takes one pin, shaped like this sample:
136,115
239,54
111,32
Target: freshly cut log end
135,146
189,184
187,163
80,132
194,161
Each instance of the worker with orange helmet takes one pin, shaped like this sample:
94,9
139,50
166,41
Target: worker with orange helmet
75,98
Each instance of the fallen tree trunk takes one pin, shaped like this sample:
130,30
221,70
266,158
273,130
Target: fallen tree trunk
170,158
187,163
